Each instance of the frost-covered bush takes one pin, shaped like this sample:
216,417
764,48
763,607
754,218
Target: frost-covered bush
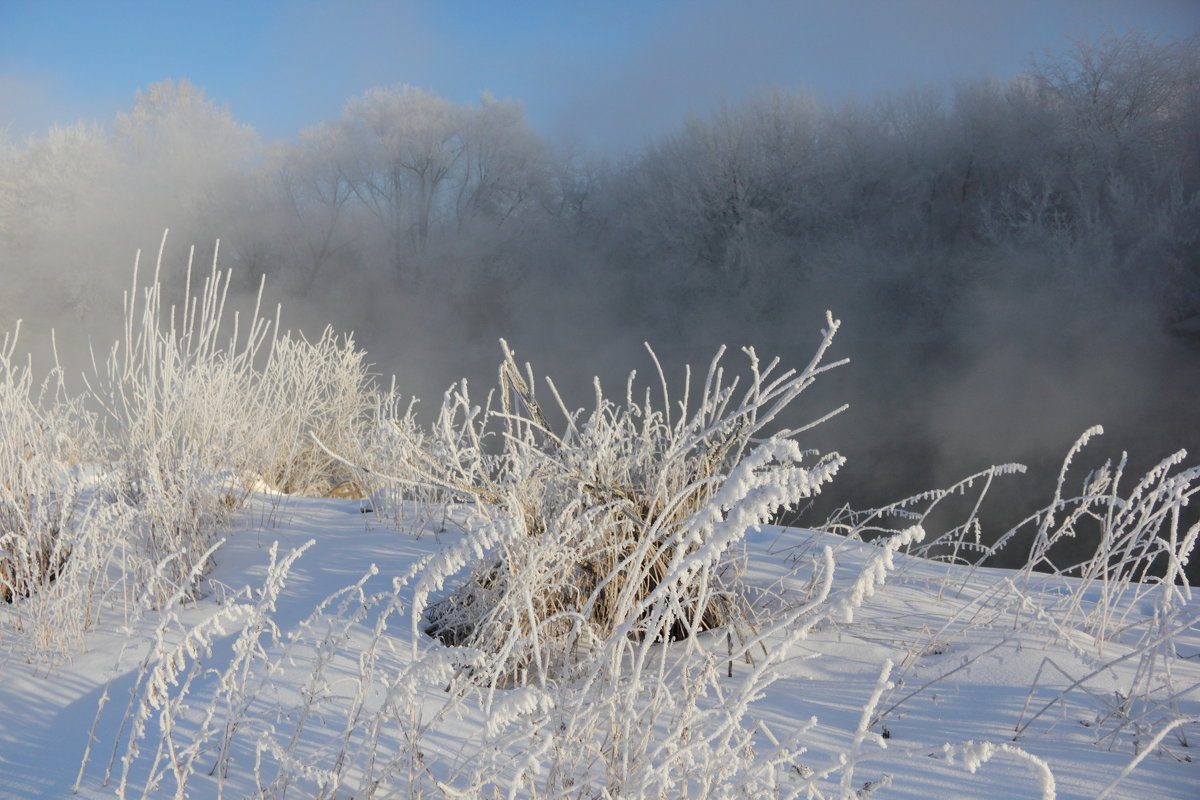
316,389
614,527
111,497
47,517
31,550
202,405
181,405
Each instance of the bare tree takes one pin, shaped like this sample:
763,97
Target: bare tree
505,165
312,177
403,146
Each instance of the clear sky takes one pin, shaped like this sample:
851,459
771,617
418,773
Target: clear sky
604,74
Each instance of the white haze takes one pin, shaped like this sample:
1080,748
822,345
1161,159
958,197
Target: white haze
1010,257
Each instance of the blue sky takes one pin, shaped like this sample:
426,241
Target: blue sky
603,74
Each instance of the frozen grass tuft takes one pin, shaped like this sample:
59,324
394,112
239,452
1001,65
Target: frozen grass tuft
111,495
47,523
613,526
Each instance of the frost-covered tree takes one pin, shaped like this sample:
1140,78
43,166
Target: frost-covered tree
404,145
182,156
56,198
313,189
505,165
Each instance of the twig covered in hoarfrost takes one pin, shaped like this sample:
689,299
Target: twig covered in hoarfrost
1150,747
976,754
862,733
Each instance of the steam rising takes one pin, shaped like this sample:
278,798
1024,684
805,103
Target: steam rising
1013,263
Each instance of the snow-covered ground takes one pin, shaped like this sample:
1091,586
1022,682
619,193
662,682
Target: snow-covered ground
916,693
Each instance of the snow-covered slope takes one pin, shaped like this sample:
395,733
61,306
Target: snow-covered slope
918,680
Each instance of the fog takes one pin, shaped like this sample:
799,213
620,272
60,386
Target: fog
1014,260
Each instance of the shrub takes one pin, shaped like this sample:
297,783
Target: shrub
618,524
115,495
322,389
43,493
202,406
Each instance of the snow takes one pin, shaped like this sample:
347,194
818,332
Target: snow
916,694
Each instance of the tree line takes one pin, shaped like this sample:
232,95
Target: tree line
1088,163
